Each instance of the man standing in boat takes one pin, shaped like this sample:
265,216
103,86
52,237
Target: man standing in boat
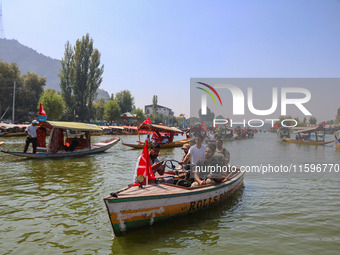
31,132
196,152
156,164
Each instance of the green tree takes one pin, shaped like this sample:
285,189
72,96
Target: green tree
111,111
208,117
80,77
312,120
98,109
53,104
157,118
125,101
154,104
30,90
9,73
65,75
337,118
140,114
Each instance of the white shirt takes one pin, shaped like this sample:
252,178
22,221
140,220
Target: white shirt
196,154
32,131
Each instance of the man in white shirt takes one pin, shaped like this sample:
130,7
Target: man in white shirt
196,152
31,132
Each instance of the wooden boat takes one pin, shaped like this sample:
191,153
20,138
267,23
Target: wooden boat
283,132
154,131
306,140
130,130
134,207
241,133
67,139
9,130
337,140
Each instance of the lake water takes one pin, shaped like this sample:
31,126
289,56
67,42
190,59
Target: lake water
55,206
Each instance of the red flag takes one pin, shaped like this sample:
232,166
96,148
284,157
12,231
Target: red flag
276,126
41,110
144,166
323,123
147,121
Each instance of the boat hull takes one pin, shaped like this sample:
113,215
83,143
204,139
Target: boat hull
163,146
337,146
290,140
96,148
129,212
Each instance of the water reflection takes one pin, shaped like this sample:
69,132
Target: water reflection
199,228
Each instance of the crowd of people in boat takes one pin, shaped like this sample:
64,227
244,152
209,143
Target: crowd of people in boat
197,162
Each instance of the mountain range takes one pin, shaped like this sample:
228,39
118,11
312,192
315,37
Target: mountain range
29,60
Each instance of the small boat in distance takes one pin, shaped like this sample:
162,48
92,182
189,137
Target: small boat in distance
304,137
337,140
67,139
155,135
283,132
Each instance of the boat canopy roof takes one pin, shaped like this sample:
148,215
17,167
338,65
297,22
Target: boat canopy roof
337,133
308,130
154,127
70,125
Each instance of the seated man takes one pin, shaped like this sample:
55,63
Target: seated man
156,164
165,139
207,169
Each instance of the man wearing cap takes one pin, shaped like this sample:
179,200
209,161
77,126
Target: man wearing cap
31,132
186,148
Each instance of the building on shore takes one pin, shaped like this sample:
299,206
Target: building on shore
162,110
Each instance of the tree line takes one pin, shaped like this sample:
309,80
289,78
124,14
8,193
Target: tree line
80,77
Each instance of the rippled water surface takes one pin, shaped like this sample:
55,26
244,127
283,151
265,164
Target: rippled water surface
55,206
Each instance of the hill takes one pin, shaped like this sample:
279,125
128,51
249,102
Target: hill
29,60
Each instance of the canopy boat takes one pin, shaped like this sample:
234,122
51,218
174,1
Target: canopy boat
112,130
134,207
337,140
130,130
67,139
283,132
304,137
154,133
8,130
226,133
250,132
240,133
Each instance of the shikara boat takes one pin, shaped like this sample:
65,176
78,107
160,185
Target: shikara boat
283,132
154,133
9,130
67,139
134,207
304,137
337,140
241,133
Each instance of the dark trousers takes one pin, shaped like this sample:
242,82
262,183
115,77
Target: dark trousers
34,142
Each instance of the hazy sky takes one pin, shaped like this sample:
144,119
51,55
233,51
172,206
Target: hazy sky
155,47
